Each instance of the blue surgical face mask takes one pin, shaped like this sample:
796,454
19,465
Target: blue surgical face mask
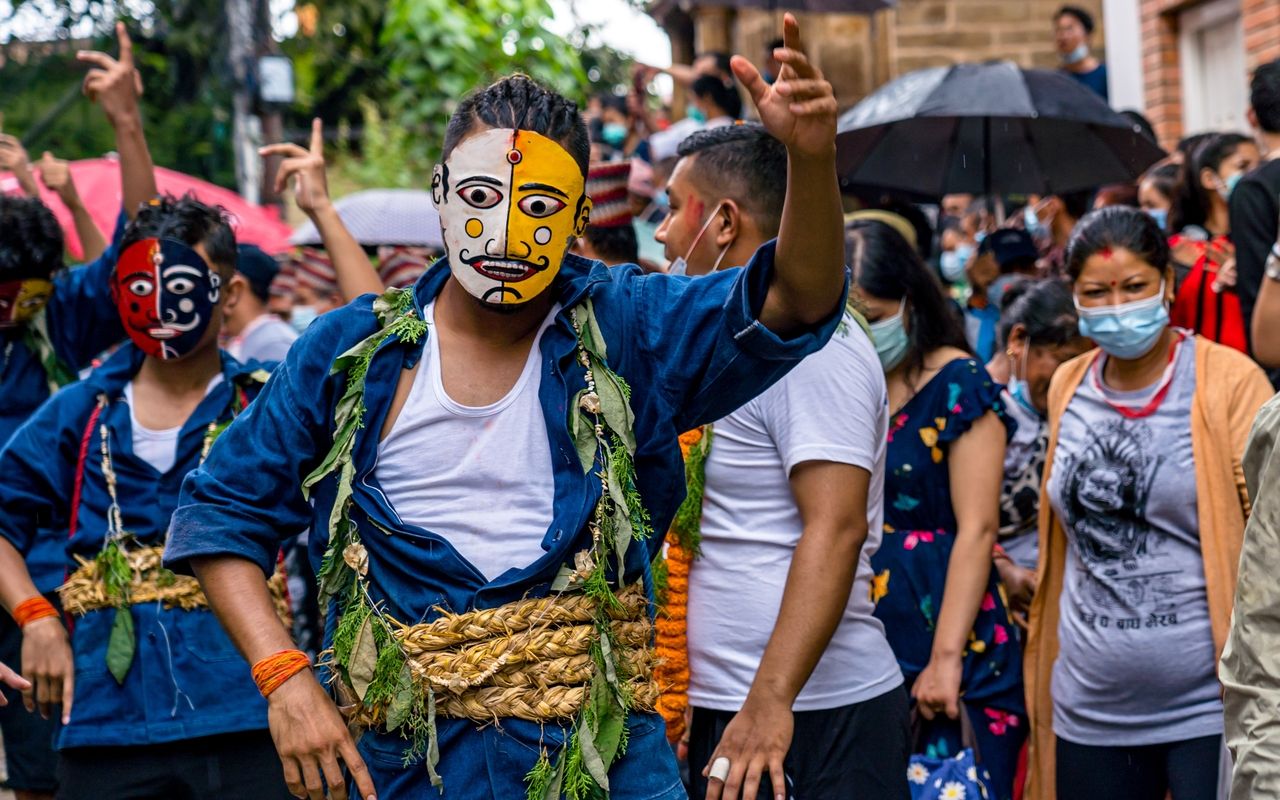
995,292
1031,221
694,113
1128,330
301,317
1076,56
1226,187
614,134
953,262
1161,217
890,338
1019,388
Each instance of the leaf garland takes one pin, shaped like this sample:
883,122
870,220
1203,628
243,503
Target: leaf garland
112,561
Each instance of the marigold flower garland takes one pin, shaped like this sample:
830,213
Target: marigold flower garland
683,541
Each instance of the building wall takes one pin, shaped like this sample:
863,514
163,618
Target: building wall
859,53
929,33
1162,55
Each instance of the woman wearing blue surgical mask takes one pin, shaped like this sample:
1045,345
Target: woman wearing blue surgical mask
1139,545
934,589
1205,299
1156,192
1039,331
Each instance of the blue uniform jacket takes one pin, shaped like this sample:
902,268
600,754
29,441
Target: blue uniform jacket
187,680
82,322
692,351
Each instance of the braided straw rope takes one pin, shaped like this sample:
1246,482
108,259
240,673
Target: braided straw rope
527,660
85,591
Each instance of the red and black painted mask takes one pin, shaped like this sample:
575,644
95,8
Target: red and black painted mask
166,294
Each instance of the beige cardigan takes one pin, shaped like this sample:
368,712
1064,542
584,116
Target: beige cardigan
1230,389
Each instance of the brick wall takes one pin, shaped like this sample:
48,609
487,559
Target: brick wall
1261,20
1162,70
928,33
860,53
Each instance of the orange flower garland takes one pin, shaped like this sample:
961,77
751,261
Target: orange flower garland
672,670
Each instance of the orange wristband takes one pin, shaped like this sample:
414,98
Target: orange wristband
271,672
33,609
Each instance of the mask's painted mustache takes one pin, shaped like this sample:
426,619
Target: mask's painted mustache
506,270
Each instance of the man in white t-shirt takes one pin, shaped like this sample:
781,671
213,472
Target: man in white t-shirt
790,674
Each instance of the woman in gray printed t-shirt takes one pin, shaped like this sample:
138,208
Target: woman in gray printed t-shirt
1137,484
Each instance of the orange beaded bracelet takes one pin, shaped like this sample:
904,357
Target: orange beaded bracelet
271,672
32,609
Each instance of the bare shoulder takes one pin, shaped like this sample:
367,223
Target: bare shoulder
937,359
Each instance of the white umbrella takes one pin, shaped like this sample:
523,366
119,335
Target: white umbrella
383,217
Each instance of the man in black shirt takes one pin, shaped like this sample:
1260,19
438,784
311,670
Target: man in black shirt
1255,203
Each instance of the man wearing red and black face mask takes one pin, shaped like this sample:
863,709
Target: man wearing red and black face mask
53,322
152,699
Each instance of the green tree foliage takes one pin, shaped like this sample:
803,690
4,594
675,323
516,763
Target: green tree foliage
441,49
385,74
180,51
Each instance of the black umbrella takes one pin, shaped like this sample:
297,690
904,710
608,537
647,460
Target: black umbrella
825,6
988,129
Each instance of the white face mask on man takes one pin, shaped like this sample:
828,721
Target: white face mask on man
680,266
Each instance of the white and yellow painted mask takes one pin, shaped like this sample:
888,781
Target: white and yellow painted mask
511,202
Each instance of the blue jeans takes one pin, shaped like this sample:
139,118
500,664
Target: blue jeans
478,763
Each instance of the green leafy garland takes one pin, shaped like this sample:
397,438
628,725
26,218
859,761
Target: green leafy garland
113,560
367,655
35,335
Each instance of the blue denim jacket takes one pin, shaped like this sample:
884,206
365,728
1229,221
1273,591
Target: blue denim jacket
691,350
82,322
187,680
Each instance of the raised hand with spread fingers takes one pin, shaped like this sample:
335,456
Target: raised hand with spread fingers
115,85
305,169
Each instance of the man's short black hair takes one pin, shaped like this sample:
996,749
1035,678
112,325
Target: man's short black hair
30,239
1083,17
1264,96
742,163
720,92
721,60
1077,203
190,221
614,244
521,103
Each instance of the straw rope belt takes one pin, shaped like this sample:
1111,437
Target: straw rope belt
528,660
85,591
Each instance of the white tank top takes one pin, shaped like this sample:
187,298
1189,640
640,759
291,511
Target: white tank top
479,477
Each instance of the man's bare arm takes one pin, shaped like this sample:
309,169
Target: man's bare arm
310,735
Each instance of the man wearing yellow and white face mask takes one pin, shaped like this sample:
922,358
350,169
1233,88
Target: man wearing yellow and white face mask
444,430
511,202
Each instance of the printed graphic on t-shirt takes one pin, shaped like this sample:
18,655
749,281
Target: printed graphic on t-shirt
1128,568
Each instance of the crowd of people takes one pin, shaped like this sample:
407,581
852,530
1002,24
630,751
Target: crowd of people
677,473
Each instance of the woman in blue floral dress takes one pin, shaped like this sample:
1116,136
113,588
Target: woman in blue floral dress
934,588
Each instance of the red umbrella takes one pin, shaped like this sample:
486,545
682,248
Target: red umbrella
98,182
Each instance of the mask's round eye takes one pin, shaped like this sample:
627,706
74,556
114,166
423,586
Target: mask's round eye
141,287
541,205
179,286
34,302
480,196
